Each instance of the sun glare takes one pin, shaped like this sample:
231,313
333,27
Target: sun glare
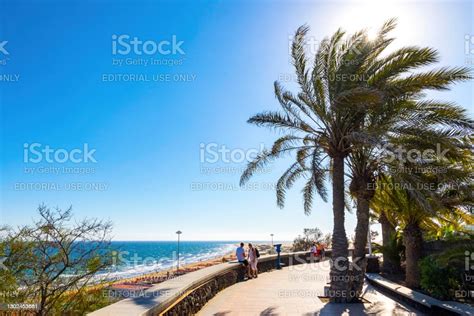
370,15
372,33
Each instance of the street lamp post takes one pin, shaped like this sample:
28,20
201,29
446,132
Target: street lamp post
179,233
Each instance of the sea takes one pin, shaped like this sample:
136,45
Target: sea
134,258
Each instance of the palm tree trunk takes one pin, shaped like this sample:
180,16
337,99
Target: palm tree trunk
339,290
388,232
413,240
360,244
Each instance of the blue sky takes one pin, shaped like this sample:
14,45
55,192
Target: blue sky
147,135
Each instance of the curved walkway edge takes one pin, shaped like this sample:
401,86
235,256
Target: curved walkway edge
187,293
296,290
430,304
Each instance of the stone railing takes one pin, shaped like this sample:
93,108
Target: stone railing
420,301
188,293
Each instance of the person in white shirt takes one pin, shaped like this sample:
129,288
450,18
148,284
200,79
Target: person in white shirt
313,251
253,261
240,254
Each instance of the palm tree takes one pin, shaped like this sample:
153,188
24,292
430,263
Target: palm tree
445,198
381,205
404,118
333,118
451,225
369,165
318,122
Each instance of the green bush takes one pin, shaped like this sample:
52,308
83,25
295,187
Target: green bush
310,236
439,281
394,252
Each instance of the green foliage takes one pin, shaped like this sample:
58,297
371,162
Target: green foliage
439,281
452,226
94,263
444,273
15,257
428,209
52,262
394,250
82,302
310,236
456,256
364,122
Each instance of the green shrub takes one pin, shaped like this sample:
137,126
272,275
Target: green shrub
310,236
393,252
439,281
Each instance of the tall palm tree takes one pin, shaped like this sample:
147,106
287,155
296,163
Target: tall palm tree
351,101
381,207
369,165
404,118
318,122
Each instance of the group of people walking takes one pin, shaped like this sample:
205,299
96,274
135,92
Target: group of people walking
249,259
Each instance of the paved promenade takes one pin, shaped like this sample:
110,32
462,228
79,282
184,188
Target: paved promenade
295,291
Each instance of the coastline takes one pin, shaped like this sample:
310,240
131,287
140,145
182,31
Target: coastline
128,286
169,273
121,288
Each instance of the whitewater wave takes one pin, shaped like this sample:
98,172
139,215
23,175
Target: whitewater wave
133,270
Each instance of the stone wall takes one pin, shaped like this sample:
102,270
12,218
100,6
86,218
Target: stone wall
195,300
439,246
